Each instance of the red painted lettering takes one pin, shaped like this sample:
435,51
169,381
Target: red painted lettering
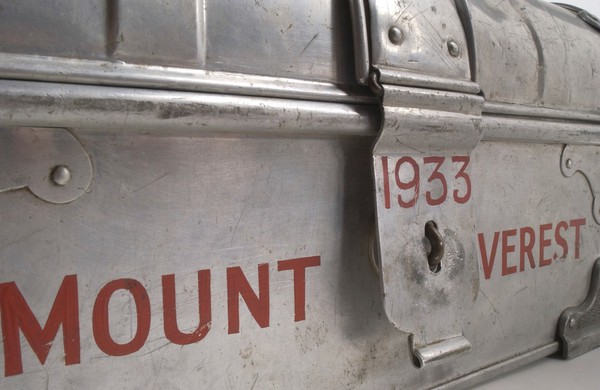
544,244
576,223
560,239
298,266
547,238
100,320
526,247
238,286
506,249
408,179
16,314
413,183
436,175
386,182
172,331
488,261
463,175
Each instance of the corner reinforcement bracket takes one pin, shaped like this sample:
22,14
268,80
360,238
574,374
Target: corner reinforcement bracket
579,327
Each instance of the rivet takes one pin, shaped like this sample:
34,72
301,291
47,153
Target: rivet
61,175
569,163
572,322
395,35
453,48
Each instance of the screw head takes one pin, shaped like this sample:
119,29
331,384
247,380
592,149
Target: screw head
395,35
61,175
569,163
453,47
572,322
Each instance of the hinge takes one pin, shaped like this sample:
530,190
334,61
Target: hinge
50,162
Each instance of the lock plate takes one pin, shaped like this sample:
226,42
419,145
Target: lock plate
425,216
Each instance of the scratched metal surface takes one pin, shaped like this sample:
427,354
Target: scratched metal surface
176,205
249,180
543,55
162,205
307,40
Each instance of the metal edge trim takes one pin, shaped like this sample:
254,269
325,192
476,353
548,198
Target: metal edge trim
27,103
506,129
412,79
464,14
508,109
362,63
503,367
91,72
427,99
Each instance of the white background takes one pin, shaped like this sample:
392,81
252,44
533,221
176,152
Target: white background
592,6
553,373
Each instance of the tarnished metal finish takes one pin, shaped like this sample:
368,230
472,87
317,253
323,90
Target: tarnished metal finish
159,32
227,226
418,53
168,113
529,113
61,28
302,39
164,205
360,38
579,327
49,162
531,130
587,17
585,160
25,67
443,350
540,63
409,137
503,367
269,199
163,32
307,40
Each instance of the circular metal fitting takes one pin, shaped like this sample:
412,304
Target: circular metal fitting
572,322
453,47
395,34
569,163
61,175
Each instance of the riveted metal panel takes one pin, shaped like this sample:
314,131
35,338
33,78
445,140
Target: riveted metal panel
543,56
226,229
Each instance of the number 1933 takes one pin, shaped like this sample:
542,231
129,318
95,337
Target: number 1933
406,175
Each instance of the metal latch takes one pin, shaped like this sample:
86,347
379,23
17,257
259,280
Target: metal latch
421,162
425,219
